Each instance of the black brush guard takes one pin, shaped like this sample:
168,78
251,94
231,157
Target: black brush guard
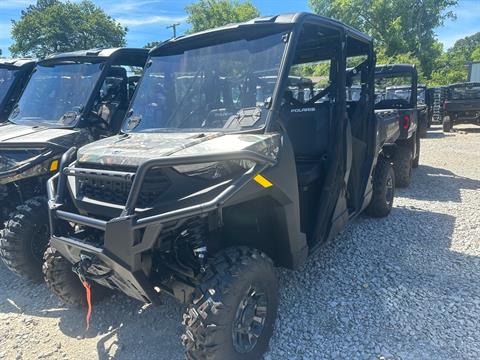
128,236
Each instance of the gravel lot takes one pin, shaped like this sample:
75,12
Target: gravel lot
404,287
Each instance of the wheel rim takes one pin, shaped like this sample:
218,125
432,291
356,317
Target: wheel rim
39,241
249,320
390,190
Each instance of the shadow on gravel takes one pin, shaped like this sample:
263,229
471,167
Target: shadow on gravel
437,185
435,134
472,129
125,328
386,287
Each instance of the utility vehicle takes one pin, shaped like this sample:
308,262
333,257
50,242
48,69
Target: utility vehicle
71,99
396,89
14,75
208,187
461,105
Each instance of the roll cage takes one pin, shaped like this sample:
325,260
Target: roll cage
398,71
23,68
109,57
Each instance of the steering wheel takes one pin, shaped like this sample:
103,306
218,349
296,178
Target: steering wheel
104,124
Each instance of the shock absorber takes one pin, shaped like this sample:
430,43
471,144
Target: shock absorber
195,234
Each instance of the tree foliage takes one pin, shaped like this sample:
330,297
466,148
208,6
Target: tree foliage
51,26
151,44
207,14
398,26
451,67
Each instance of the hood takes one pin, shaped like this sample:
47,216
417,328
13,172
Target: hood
18,135
134,149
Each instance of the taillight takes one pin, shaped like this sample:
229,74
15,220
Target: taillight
406,121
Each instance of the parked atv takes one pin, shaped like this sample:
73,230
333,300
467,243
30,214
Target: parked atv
70,100
218,177
462,105
396,89
14,75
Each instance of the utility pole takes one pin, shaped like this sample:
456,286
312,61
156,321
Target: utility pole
174,27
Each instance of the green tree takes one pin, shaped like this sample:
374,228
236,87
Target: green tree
51,26
451,67
398,26
474,57
207,14
151,44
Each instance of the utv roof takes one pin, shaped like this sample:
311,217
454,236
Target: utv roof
134,56
473,83
258,25
16,63
391,69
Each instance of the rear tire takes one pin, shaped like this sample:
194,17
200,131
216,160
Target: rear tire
233,311
416,159
25,238
402,164
447,124
64,283
383,189
422,131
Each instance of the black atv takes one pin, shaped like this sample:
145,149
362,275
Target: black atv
71,99
218,177
461,105
14,75
396,89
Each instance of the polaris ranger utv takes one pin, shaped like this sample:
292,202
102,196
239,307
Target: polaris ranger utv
70,100
208,187
396,89
461,105
14,75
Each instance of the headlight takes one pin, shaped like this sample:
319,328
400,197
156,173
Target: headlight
215,170
12,158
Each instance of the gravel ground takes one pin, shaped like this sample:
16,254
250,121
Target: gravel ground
403,287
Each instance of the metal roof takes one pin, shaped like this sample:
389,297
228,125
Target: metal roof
394,68
275,21
16,62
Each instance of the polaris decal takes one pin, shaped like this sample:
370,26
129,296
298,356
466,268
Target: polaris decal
300,110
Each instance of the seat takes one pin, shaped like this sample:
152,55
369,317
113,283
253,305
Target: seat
115,100
308,128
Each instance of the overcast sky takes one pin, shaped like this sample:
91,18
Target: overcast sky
147,19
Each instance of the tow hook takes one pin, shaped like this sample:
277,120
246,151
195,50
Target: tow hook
81,268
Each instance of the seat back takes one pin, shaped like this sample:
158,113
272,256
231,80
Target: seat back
308,128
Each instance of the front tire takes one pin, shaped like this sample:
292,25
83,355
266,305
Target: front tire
64,283
233,311
403,163
25,238
383,189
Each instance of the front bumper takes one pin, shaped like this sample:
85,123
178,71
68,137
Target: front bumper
120,260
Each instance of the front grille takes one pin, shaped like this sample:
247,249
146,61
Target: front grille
116,190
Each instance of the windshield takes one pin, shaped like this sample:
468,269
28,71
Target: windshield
56,94
402,93
7,76
393,91
219,87
464,91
